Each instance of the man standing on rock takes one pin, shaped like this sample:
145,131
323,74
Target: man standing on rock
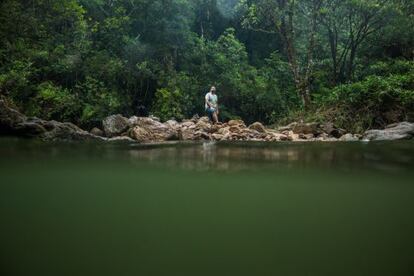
211,106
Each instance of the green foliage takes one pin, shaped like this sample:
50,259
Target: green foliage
374,102
168,104
53,102
96,102
81,60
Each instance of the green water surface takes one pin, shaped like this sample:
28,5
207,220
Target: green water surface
206,209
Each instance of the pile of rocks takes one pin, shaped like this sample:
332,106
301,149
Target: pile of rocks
143,129
117,128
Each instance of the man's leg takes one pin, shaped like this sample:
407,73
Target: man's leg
215,117
210,115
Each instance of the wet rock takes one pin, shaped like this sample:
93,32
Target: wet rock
258,127
401,131
121,139
96,131
115,125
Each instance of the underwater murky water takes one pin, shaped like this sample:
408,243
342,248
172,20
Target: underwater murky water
206,209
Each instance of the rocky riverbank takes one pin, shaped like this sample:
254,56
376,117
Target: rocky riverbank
117,128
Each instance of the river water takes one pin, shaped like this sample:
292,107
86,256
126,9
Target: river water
206,209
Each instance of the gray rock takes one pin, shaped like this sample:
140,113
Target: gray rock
68,132
29,129
401,131
115,125
349,138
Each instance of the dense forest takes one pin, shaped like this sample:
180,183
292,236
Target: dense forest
346,61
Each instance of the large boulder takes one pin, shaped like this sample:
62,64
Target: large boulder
67,132
152,130
140,134
401,131
115,125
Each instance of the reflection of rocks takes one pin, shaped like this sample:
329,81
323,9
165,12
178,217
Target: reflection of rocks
247,156
400,131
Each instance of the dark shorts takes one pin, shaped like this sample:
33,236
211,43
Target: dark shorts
210,111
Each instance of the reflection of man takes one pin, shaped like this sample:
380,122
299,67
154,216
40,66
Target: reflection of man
212,109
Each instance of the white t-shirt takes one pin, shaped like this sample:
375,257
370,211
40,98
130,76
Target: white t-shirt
212,99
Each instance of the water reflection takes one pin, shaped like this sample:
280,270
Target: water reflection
242,156
385,156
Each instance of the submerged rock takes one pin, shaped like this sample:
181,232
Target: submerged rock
401,131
